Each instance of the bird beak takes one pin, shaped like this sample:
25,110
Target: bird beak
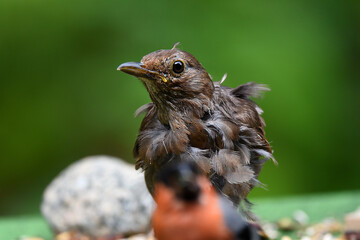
138,70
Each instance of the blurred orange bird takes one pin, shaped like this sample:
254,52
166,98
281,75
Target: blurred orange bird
188,208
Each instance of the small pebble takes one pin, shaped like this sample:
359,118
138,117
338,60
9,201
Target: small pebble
352,221
63,236
328,236
286,238
287,224
310,231
301,217
271,230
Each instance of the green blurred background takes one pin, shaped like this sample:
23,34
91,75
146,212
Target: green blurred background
62,99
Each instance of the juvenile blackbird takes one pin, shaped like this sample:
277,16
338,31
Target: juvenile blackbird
189,208
192,118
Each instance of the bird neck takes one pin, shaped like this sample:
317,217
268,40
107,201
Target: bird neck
184,111
185,105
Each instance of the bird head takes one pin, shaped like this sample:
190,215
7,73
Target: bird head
173,78
182,178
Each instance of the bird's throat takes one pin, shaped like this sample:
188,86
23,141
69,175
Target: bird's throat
176,106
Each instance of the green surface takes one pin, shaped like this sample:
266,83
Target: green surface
12,228
318,207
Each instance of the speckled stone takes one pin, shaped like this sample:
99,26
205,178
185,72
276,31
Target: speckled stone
98,196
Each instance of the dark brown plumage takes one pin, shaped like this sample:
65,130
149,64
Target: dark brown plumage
192,118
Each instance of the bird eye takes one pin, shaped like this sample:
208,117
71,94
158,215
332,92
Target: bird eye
178,67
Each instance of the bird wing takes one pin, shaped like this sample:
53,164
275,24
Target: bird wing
238,108
238,147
